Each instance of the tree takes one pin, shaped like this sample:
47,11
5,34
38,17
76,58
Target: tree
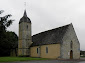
10,42
8,39
4,22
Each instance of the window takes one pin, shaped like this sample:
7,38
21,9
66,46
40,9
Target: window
26,43
27,26
71,44
37,50
46,49
27,37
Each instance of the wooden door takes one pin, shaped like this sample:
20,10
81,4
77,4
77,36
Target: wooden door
71,54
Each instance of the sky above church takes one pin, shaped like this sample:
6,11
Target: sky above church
48,14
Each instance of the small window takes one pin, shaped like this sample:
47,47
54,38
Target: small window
46,49
27,26
37,50
27,37
26,43
71,44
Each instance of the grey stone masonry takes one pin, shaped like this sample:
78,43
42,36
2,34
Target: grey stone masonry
67,47
25,39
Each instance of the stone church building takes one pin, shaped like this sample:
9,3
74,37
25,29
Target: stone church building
60,42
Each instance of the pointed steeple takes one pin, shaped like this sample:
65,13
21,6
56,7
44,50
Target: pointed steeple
25,18
25,14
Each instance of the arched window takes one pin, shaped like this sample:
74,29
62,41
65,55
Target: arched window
46,49
26,43
71,44
37,50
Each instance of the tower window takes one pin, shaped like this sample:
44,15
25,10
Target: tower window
46,49
27,43
27,26
27,37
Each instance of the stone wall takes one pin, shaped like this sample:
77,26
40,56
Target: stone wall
70,36
33,51
53,51
25,39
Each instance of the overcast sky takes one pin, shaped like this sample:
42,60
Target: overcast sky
48,14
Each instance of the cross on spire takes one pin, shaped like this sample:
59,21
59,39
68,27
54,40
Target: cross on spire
25,14
25,4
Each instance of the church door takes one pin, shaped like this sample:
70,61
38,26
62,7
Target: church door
71,54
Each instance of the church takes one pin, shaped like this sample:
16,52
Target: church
58,43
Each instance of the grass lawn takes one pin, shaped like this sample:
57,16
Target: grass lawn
11,59
82,57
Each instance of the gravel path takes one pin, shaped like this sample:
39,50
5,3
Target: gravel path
47,61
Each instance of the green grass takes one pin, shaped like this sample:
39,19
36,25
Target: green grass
82,56
11,59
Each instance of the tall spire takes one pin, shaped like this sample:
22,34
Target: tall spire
25,14
25,18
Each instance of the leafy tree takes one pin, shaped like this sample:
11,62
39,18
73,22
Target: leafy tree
8,39
4,22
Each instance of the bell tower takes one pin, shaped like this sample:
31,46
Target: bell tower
25,39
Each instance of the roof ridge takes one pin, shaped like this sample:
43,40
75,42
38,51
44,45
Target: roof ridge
52,29
50,36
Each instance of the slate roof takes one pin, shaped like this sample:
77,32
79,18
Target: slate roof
49,37
25,18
